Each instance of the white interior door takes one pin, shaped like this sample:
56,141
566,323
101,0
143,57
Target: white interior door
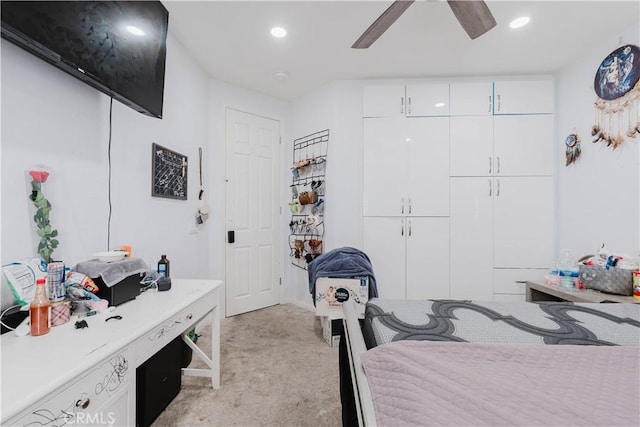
252,212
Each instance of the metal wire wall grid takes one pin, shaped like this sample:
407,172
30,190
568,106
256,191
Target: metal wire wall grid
308,198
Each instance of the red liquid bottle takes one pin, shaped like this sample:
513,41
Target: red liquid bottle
40,310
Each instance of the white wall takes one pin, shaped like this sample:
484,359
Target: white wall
597,197
51,118
336,106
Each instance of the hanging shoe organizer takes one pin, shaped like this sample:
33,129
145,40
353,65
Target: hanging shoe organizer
307,198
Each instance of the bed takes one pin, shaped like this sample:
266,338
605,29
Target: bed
445,362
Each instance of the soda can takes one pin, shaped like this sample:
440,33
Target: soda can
55,281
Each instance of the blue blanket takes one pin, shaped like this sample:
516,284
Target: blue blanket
342,263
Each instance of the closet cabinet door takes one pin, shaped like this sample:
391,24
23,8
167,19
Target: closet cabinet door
384,167
427,258
383,101
523,222
471,238
523,145
471,99
524,97
471,141
384,243
427,184
427,99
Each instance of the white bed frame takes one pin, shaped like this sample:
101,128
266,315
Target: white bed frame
355,348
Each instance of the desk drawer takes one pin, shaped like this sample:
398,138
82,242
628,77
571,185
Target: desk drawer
153,341
80,403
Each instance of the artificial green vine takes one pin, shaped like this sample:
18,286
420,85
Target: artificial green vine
47,234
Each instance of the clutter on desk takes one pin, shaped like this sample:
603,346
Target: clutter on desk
604,271
40,310
608,272
164,266
117,281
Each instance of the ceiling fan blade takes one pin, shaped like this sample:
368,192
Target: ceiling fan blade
474,16
382,24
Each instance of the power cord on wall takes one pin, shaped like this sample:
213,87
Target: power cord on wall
109,184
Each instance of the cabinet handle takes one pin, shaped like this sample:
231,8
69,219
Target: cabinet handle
409,104
498,102
490,188
490,164
409,205
498,189
83,403
402,209
402,228
401,104
498,165
521,281
409,228
489,103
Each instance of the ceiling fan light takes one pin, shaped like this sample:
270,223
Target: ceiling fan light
519,22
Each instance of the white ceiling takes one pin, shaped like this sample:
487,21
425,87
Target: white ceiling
231,40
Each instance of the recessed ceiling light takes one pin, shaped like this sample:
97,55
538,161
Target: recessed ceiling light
278,32
440,104
135,30
519,22
280,75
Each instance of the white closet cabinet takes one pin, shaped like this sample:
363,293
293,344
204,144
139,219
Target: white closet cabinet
399,100
523,145
497,224
471,98
409,255
513,145
471,228
524,97
406,166
523,222
471,146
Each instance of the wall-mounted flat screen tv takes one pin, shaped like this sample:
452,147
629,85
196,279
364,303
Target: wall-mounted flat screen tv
118,47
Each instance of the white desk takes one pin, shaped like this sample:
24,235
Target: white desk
87,376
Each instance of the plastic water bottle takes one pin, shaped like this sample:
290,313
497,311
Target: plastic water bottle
565,264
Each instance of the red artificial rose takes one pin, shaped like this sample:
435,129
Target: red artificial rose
39,176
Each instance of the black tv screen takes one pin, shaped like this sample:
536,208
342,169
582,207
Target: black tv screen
118,47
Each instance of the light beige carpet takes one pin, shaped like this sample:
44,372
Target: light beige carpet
276,370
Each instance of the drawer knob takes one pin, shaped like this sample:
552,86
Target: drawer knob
189,316
83,403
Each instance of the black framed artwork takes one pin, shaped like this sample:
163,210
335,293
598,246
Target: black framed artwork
168,173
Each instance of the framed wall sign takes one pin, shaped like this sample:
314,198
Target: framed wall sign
169,173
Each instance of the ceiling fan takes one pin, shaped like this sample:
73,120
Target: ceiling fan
474,16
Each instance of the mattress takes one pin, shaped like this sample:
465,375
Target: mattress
388,320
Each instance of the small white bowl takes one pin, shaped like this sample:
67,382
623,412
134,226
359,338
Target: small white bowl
110,256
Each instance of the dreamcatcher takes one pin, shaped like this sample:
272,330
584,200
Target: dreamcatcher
617,87
573,148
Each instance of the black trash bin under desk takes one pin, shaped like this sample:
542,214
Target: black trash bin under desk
158,382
